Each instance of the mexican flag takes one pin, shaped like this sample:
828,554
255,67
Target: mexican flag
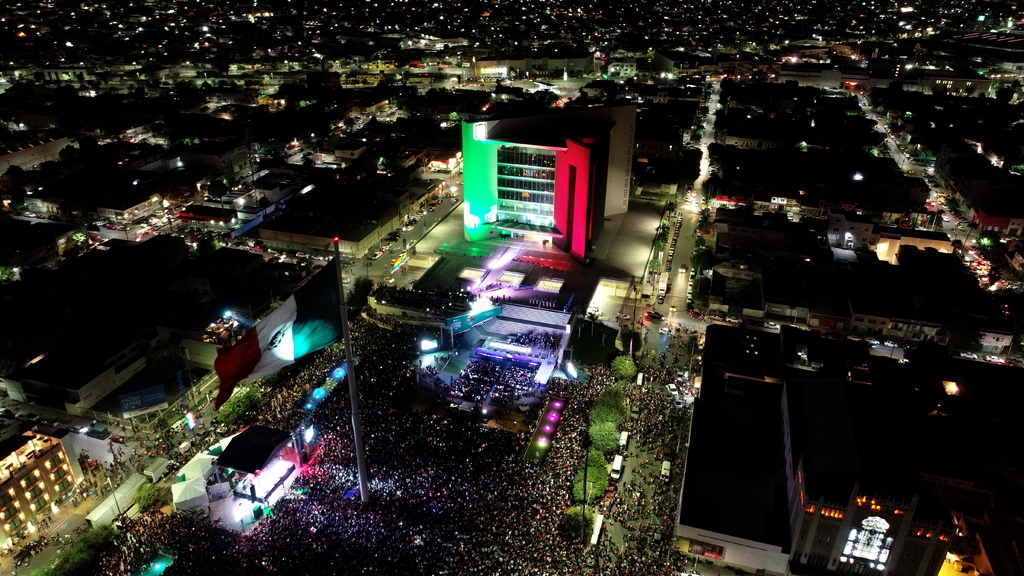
308,321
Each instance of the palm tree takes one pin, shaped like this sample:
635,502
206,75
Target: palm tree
592,316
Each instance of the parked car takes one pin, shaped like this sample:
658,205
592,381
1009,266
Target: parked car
98,432
733,319
771,325
117,438
969,355
872,341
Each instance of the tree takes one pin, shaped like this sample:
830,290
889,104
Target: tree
592,317
217,188
241,405
604,436
207,246
691,346
597,483
613,397
82,557
704,221
579,523
6,274
623,368
68,152
605,413
358,296
962,338
702,260
149,495
596,459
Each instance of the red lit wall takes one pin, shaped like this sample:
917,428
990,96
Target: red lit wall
572,197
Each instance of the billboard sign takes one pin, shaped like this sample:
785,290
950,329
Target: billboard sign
142,402
464,322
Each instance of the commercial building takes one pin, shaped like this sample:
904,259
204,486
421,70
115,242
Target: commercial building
553,177
782,474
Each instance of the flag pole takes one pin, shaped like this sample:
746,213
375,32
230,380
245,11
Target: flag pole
353,391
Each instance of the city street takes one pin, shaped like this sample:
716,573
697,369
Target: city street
688,206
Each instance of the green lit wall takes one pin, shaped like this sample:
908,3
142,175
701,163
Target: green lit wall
480,179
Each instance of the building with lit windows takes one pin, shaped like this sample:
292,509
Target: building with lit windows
553,177
36,477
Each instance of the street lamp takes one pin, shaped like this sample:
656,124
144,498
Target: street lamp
114,493
583,512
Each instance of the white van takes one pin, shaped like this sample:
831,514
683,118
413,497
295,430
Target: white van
666,469
623,440
617,468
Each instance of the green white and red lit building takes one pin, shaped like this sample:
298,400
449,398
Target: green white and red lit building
552,177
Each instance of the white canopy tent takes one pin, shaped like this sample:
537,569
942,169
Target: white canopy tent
200,466
189,494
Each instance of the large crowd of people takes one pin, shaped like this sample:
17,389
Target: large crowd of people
437,301
447,496
538,340
475,380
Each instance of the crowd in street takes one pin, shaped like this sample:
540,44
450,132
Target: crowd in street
447,496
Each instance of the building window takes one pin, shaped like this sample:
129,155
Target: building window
39,504
869,542
55,461
15,522
34,492
60,473
5,499
64,485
